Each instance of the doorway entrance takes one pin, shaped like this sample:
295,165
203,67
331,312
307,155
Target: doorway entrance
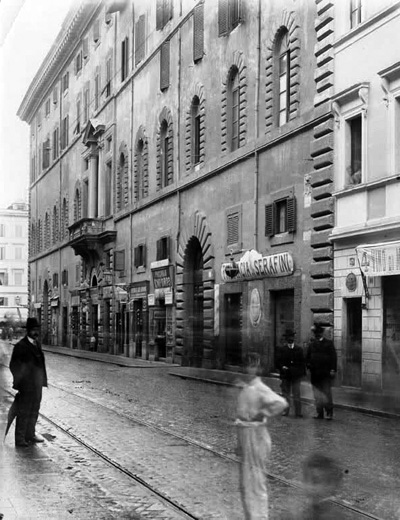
138,326
352,342
391,333
45,314
283,304
193,285
233,329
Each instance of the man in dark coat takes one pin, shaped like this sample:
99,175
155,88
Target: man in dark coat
28,368
292,368
321,360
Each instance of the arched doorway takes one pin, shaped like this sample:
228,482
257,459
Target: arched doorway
45,314
193,286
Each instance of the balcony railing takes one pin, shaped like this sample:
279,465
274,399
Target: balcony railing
89,234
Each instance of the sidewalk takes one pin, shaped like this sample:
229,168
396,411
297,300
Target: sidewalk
386,405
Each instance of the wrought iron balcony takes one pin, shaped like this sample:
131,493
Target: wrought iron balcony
88,235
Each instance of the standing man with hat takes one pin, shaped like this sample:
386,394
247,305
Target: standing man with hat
292,368
28,368
321,360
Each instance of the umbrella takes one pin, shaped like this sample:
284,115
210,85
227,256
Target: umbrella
12,414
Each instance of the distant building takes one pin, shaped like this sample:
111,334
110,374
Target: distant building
14,262
177,155
366,233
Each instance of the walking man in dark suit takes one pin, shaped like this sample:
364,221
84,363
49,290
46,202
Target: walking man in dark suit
292,368
28,368
321,360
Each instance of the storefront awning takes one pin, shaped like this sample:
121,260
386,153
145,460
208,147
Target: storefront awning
379,259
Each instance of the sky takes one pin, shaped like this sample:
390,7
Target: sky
27,31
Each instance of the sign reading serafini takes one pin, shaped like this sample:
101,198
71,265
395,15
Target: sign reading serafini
255,265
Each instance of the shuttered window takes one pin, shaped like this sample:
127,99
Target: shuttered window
119,260
229,16
164,13
164,66
55,96
64,132
85,48
107,87
55,143
198,32
163,248
140,39
233,229
124,58
64,277
280,217
96,31
140,256
65,82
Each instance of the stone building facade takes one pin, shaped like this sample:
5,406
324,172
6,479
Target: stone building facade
181,179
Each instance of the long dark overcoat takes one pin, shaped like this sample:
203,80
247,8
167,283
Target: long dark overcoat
321,358
28,366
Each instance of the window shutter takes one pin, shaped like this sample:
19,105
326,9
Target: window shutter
136,256
291,214
126,56
234,13
198,32
119,260
159,14
140,39
123,72
55,96
269,220
158,254
85,47
144,255
233,229
167,247
164,66
223,21
96,31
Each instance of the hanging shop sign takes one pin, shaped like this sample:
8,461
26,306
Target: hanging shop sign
163,277
151,300
255,265
379,259
54,301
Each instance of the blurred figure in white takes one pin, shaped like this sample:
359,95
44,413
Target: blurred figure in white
256,403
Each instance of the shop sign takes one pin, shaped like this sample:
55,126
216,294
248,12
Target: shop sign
139,291
74,301
151,300
379,259
254,265
37,305
163,277
169,298
54,302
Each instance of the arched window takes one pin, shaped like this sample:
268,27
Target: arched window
46,231
165,159
164,147
122,184
55,225
65,222
234,98
77,205
139,169
196,130
282,82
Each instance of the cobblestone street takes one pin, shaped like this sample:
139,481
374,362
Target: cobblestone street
129,414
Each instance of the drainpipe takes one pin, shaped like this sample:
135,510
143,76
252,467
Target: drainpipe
178,134
256,124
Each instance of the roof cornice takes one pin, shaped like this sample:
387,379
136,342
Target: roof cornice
71,30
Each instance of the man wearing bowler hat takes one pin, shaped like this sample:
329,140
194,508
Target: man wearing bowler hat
321,360
292,368
28,368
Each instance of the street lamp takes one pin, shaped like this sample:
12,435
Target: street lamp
17,300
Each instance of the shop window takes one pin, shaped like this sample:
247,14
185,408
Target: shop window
140,256
355,13
229,16
163,248
164,13
198,32
280,217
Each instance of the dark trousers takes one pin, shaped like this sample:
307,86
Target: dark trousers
323,395
289,387
27,414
